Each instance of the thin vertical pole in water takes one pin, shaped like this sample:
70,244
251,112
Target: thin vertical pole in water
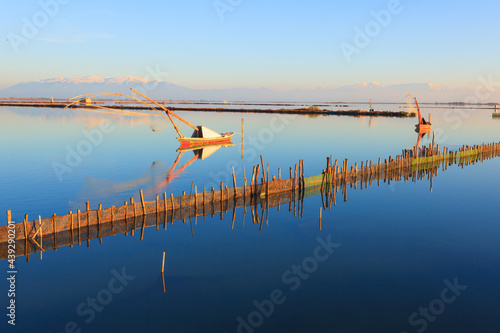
303,179
242,137
41,236
299,177
165,210
157,211
88,223
204,196
181,207
163,264
113,219
9,216
263,170
71,230
234,184
267,183
213,201
244,186
54,232
125,218
79,230
195,205
221,193
99,223
173,208
26,244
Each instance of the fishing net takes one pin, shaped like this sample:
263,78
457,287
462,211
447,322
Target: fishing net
411,106
99,113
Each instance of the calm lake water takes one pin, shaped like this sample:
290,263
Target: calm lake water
395,258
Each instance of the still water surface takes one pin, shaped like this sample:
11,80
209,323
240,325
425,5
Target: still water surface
394,250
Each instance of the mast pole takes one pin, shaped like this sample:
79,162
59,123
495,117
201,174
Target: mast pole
419,114
168,111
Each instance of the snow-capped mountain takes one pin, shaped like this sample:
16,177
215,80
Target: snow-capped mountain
70,87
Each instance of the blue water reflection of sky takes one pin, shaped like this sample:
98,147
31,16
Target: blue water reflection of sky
397,243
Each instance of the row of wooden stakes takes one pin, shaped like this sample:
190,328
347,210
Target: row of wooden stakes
279,191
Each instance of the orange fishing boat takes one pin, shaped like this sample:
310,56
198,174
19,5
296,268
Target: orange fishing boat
423,126
202,136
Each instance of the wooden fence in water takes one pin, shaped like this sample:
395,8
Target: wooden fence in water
57,231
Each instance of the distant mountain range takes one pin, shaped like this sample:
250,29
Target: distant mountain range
70,87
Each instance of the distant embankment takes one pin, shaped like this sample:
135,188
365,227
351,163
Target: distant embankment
41,103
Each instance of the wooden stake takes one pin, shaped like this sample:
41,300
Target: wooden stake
99,223
173,207
234,184
163,264
54,232
165,210
263,170
71,233
143,203
79,226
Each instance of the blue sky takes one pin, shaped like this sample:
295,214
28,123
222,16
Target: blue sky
276,44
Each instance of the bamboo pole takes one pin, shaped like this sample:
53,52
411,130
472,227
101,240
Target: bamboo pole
79,226
54,231
99,223
71,228
263,170
165,210
26,243
143,203
234,185
173,208
168,112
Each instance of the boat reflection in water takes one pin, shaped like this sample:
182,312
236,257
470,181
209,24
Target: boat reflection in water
155,180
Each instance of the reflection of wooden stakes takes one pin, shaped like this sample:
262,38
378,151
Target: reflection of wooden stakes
163,278
163,272
143,226
253,214
320,212
244,213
